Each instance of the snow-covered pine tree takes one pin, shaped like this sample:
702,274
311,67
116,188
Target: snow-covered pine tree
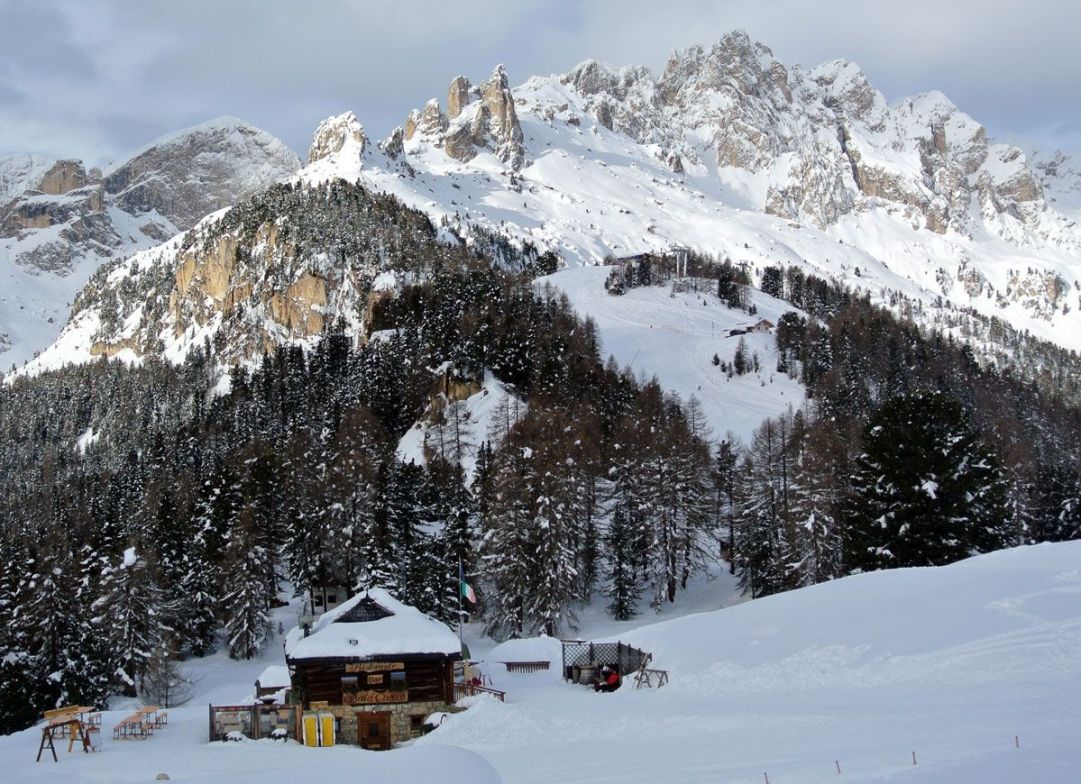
725,462
19,697
926,491
622,588
247,616
528,554
506,547
757,515
129,611
813,502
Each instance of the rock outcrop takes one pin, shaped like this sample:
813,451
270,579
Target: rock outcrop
199,171
333,133
482,116
64,176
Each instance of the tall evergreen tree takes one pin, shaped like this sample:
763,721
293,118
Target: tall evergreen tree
926,490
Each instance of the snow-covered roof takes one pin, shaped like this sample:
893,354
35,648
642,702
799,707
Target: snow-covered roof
405,630
275,675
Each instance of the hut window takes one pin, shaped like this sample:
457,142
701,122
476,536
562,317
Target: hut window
397,681
349,682
416,722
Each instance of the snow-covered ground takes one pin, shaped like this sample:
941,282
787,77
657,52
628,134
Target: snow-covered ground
975,668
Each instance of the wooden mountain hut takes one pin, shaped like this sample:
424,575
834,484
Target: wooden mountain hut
378,666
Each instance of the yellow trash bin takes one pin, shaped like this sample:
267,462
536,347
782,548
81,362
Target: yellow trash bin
326,728
311,729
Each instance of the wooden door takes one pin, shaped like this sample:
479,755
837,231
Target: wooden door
373,730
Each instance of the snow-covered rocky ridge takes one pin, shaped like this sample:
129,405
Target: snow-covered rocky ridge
60,221
727,151
731,153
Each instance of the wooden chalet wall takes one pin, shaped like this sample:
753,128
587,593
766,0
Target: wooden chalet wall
344,682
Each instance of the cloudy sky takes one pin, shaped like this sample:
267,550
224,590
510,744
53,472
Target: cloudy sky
97,78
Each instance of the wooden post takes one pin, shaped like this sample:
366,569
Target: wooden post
838,764
1016,742
913,758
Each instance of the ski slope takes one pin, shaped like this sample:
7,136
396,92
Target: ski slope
949,663
674,336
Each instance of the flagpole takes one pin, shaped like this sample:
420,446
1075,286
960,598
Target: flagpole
461,581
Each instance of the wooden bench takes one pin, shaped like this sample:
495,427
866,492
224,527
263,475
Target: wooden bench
526,666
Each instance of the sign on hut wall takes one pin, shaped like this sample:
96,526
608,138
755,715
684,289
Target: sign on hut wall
368,697
374,666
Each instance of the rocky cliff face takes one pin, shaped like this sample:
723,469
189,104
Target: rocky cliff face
162,189
618,160
276,269
333,133
60,221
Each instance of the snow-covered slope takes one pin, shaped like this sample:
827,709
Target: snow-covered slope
675,335
974,667
59,221
950,663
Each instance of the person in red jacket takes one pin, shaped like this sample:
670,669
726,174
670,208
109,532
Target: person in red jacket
609,679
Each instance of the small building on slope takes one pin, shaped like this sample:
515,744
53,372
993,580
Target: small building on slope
379,666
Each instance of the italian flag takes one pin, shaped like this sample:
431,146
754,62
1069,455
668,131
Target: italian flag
465,588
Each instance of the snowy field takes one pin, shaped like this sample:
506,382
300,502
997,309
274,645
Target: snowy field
951,663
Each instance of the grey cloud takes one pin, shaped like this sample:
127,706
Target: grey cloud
122,69
37,39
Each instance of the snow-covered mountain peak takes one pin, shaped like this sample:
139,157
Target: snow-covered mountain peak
60,221
728,152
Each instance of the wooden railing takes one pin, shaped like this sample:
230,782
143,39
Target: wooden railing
469,690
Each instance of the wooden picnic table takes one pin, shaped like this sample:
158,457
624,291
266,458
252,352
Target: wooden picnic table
133,726
88,714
